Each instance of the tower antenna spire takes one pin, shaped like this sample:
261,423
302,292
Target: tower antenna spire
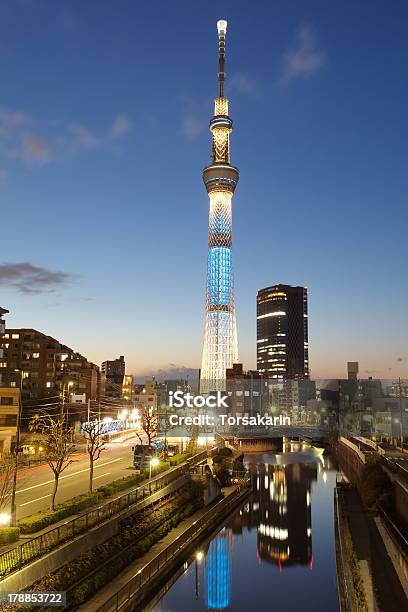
222,30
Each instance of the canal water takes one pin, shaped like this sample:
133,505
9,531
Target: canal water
274,552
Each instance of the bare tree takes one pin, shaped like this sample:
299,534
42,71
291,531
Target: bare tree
6,480
95,444
149,422
59,448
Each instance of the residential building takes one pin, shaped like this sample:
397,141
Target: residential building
9,404
352,370
3,312
146,397
114,370
127,388
51,369
251,392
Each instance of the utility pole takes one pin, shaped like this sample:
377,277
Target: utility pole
400,409
13,509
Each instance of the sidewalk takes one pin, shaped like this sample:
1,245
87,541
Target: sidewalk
102,502
93,604
381,583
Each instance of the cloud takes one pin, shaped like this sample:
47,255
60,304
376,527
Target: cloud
242,83
83,138
34,150
12,119
304,58
29,279
120,127
39,142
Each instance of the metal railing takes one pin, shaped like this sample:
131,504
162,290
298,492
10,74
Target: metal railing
342,575
14,558
151,569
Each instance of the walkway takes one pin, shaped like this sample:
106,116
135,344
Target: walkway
93,604
373,556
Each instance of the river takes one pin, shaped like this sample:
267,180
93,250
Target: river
274,552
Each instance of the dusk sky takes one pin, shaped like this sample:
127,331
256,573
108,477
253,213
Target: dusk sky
104,111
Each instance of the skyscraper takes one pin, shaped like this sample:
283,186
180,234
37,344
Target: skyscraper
282,332
220,348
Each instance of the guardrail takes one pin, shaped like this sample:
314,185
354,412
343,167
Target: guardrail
22,554
342,575
128,592
353,447
395,466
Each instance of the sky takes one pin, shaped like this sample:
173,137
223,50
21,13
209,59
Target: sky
104,111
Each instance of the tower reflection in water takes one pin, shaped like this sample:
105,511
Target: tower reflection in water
280,510
218,571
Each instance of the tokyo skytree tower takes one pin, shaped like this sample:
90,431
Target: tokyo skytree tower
220,348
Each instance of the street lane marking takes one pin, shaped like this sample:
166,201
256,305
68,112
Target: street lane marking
49,495
102,475
69,475
34,500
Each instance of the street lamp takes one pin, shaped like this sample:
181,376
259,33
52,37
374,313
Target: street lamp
199,556
154,461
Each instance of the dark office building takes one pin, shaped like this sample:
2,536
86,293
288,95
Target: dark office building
282,332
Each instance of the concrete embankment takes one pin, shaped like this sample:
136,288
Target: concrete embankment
67,552
141,578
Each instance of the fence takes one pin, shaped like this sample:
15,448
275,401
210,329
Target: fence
151,569
14,558
343,582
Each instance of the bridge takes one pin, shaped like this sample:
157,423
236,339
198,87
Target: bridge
264,439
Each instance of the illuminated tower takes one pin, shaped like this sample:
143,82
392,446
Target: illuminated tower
220,348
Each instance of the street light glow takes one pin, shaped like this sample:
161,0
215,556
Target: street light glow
5,519
154,461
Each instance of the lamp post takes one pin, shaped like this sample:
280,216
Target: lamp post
69,384
198,558
400,411
154,461
13,508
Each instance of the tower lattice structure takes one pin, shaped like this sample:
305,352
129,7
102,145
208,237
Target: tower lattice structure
220,349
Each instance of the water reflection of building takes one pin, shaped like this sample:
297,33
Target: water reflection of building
280,509
218,571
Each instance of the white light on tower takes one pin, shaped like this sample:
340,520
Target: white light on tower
221,26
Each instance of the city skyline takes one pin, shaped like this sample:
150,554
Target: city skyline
100,261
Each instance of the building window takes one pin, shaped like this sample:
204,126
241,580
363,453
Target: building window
6,401
3,364
15,336
10,420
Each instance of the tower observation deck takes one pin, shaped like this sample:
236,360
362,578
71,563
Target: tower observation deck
220,349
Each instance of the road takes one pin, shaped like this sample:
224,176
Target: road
35,485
